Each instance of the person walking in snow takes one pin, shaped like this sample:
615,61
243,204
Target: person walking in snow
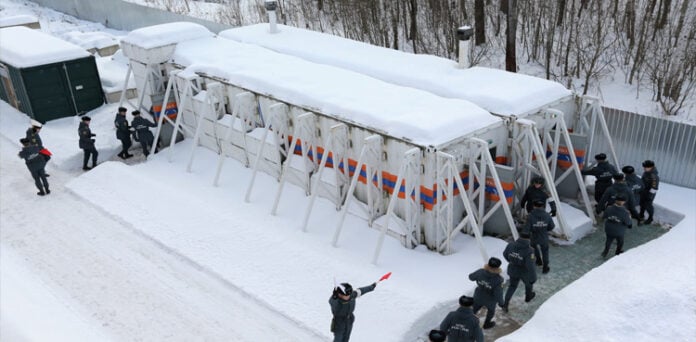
33,134
123,132
603,173
619,188
87,143
142,131
651,181
342,304
535,192
462,325
520,257
35,163
489,289
616,221
539,224
634,182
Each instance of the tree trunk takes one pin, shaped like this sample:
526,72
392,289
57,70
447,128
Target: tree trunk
680,23
561,12
511,39
413,27
480,22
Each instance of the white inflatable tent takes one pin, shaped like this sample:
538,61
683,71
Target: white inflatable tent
378,135
533,107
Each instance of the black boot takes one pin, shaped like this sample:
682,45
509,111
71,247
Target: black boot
546,270
530,297
488,325
86,168
40,193
649,220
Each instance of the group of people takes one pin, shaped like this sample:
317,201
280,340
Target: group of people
621,197
36,156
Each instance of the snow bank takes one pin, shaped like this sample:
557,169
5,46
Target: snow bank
44,48
497,91
647,293
269,257
16,20
91,40
401,112
166,34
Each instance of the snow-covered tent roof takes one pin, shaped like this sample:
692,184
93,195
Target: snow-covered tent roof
497,91
155,44
16,20
44,48
400,112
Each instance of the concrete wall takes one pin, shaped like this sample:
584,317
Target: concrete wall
122,15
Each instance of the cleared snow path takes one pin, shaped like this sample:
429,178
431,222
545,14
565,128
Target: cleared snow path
132,287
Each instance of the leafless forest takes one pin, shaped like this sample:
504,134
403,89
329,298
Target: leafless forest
648,42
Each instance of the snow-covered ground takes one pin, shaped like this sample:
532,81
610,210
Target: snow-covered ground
150,252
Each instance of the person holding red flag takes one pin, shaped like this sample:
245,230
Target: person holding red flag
342,304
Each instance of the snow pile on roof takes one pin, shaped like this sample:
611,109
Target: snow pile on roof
497,91
91,40
17,20
166,34
112,72
400,112
44,48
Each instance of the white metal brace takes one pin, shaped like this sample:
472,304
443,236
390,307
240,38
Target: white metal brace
242,101
591,107
303,131
336,144
172,85
370,157
215,104
447,176
527,147
153,75
480,163
277,122
409,174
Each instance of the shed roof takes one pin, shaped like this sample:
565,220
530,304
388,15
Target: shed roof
401,112
497,91
23,47
166,34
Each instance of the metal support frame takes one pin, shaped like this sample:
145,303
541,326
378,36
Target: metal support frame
238,114
303,131
215,104
481,163
529,156
371,158
277,122
173,85
335,143
591,113
447,175
409,174
153,75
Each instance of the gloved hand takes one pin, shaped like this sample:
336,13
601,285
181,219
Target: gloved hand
335,293
93,135
553,212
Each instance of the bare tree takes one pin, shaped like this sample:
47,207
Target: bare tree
511,37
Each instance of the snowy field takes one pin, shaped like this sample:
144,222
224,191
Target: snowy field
151,252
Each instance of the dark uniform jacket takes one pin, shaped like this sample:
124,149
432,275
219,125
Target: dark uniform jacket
34,138
603,171
539,224
616,220
615,189
142,128
86,141
32,158
342,310
489,289
651,181
635,184
520,257
462,326
532,194
122,129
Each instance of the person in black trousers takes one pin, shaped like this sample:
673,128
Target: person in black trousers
616,221
35,163
603,172
651,181
87,143
123,133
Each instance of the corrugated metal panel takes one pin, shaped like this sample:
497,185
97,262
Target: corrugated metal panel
672,145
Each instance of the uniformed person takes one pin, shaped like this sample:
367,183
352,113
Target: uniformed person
651,181
142,131
489,289
618,188
616,221
462,325
87,143
603,173
539,224
33,134
520,257
35,163
535,192
634,182
342,304
123,133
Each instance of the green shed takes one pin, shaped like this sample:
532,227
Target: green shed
46,77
